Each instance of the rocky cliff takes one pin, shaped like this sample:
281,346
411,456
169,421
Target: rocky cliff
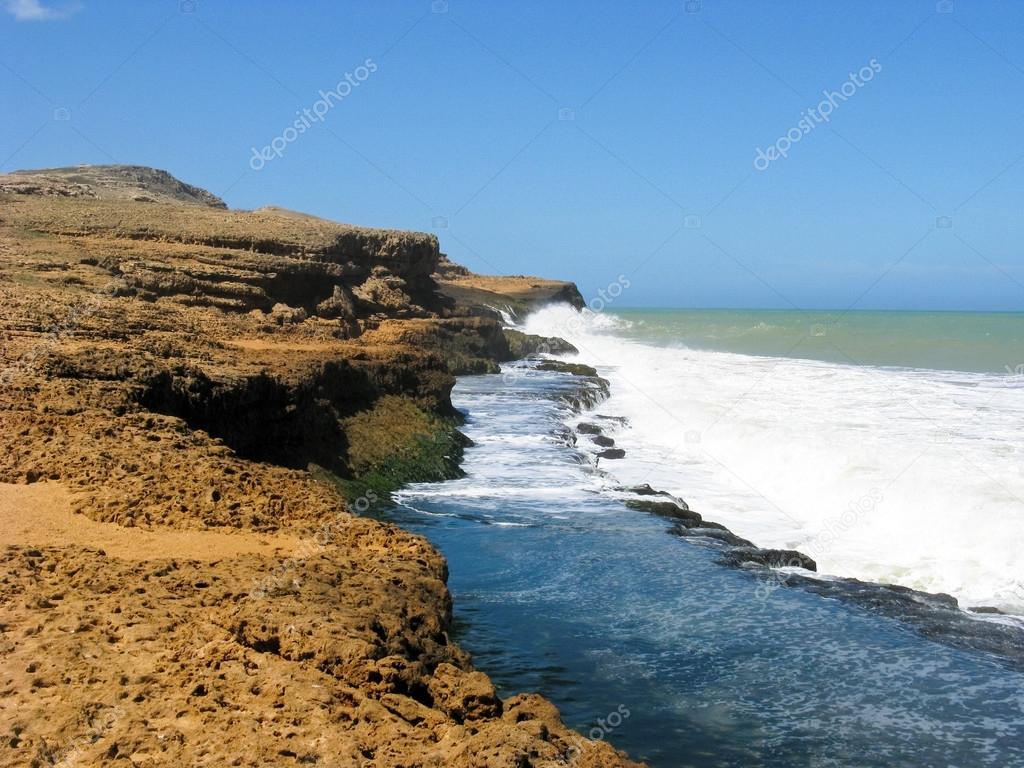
196,404
516,295
108,182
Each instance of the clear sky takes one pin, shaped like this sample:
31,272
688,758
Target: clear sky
581,139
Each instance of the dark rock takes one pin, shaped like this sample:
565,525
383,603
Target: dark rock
643,490
595,391
603,441
586,428
526,344
935,616
707,524
570,295
576,369
648,505
714,531
664,508
469,345
565,436
341,305
774,558
646,490
612,453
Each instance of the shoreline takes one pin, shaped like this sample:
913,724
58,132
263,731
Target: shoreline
562,589
183,386
200,403
937,615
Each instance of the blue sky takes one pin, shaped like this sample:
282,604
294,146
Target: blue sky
581,140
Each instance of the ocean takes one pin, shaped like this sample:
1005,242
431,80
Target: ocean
644,639
888,446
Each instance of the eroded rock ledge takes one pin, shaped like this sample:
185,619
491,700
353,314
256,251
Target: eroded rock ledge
209,386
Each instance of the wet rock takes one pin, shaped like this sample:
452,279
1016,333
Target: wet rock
593,392
603,441
643,490
936,616
663,508
565,436
612,453
666,509
585,428
716,531
773,558
575,369
525,344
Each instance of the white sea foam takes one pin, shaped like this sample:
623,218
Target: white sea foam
905,476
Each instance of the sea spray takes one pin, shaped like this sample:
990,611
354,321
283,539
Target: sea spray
780,447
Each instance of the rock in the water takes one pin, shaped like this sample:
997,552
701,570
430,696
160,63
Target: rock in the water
715,531
671,509
646,490
564,435
576,369
586,428
612,453
526,344
603,441
774,558
643,490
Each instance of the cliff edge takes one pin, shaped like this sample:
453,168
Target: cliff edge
197,403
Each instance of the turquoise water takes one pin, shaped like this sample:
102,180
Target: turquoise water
990,342
888,446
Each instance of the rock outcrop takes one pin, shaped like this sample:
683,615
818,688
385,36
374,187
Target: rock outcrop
516,295
109,182
214,395
238,261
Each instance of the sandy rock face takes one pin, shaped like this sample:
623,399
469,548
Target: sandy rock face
171,662
111,182
282,314
186,392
